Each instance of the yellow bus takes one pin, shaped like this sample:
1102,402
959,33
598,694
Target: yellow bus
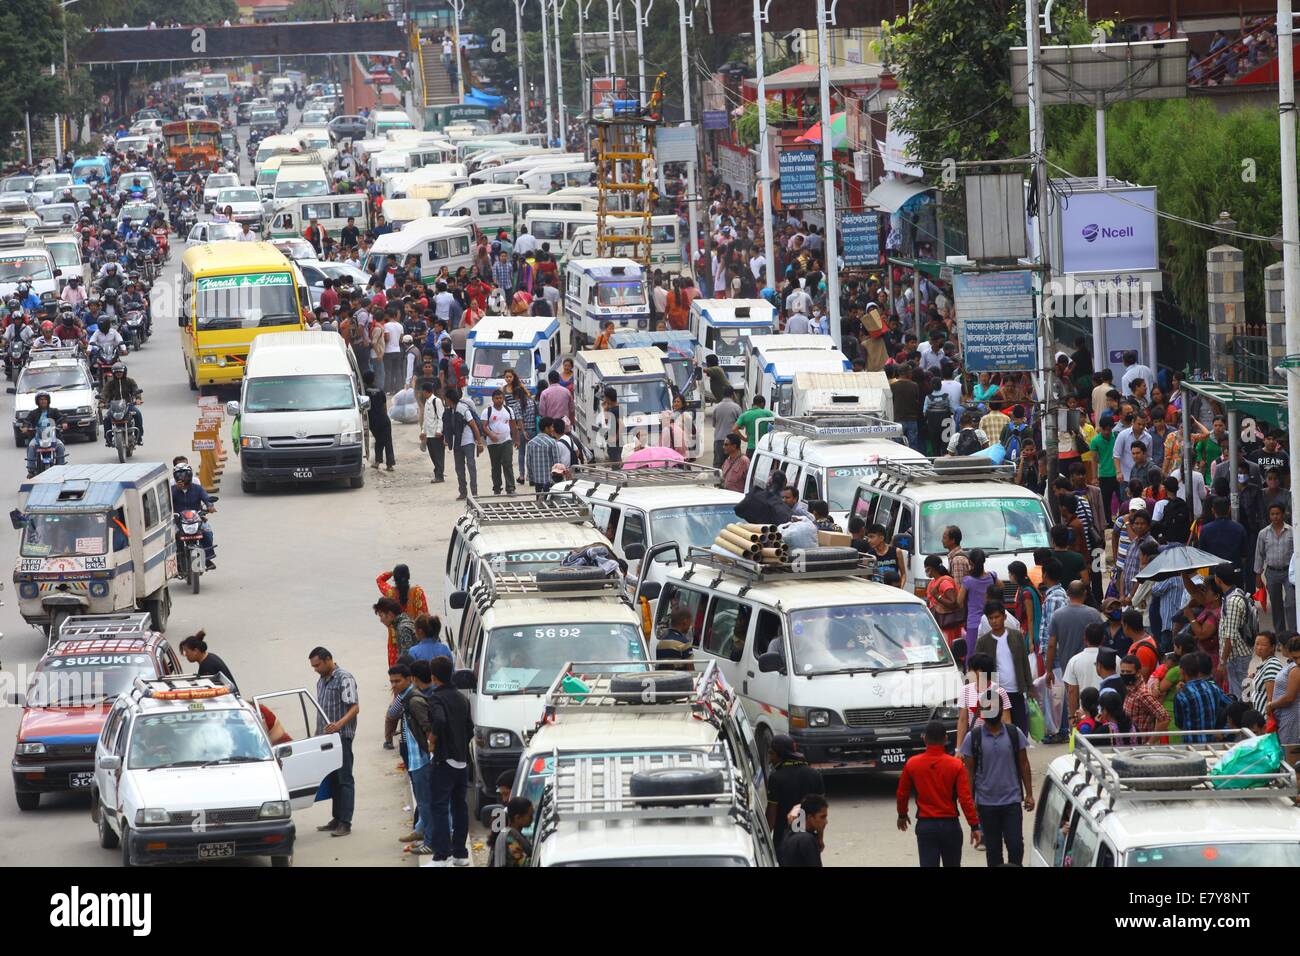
232,292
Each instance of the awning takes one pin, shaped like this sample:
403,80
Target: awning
892,194
1267,402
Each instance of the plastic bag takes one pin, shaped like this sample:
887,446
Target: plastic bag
404,409
1037,726
1049,702
799,534
1252,755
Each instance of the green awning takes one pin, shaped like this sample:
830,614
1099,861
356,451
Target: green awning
1267,402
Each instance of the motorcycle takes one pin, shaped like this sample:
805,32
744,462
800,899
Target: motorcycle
47,449
134,329
161,241
101,364
15,358
191,558
123,434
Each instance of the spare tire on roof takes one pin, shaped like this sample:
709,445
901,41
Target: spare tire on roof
653,687
1138,765
569,579
676,782
827,559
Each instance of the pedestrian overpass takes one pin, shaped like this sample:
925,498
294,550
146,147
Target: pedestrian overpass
242,41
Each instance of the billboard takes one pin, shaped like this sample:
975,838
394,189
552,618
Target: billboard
999,331
798,176
1113,231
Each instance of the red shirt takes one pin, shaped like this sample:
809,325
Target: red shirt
329,301
940,782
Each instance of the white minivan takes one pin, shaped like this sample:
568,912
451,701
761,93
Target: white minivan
302,411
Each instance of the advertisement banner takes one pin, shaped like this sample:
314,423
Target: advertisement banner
1111,231
996,314
736,168
860,234
715,119
799,177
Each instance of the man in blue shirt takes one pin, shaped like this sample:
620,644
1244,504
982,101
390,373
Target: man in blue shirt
188,495
1200,703
1223,536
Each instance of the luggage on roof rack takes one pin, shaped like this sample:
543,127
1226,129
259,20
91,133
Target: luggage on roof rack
677,473
802,566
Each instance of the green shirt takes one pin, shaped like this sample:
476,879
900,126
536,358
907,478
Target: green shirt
1072,565
1103,446
1207,453
746,423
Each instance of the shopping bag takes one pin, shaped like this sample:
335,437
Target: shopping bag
1037,727
1252,755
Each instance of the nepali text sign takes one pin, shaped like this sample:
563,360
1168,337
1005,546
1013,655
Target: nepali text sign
998,329
860,233
798,177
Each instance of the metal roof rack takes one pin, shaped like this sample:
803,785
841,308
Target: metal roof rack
560,506
708,695
82,626
1094,756
685,473
182,687
832,427
497,584
756,572
897,475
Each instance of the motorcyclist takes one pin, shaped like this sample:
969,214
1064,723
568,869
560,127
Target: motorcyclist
108,244
134,300
47,339
188,495
28,299
111,308
19,328
35,419
121,386
68,331
107,341
125,230
110,276
73,293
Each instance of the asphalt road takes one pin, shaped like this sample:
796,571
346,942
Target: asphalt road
297,569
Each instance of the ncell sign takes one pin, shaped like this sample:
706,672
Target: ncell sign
1113,231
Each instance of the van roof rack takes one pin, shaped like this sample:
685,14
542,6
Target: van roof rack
559,506
677,473
897,475
497,584
1094,757
708,695
832,427
756,572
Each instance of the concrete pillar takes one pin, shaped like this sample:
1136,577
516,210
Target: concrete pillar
1275,319
1226,294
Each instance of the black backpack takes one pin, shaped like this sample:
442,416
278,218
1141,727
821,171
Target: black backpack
967,442
977,744
938,413
453,425
1176,520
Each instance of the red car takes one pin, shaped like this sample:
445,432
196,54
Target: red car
96,658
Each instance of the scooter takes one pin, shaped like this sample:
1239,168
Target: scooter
191,558
123,434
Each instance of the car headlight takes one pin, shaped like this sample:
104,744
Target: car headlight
350,438
250,441
273,808
146,816
813,717
819,718
948,711
83,410
30,750
208,360
499,739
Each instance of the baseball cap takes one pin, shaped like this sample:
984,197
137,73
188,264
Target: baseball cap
784,746
1137,504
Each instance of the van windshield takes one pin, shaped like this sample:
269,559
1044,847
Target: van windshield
865,637
526,660
622,293
991,524
642,398
64,535
18,268
492,362
299,393
296,189
695,526
731,343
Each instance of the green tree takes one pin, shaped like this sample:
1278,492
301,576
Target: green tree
30,43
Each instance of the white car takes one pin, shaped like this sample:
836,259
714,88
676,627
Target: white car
212,232
315,118
214,184
317,272
244,205
136,181
295,249
186,770
46,188
70,389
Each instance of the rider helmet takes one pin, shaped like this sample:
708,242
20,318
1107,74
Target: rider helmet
44,395
67,319
119,368
183,472
47,327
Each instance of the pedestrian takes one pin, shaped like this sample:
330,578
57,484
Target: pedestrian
750,424
1007,646
1284,707
381,428
791,779
1237,628
611,425
941,785
336,693
501,430
412,706
428,628
803,846
1200,704
195,650
465,440
541,454
392,354
401,629
724,416
511,847
997,763
972,590
1273,550
735,464
431,412
452,730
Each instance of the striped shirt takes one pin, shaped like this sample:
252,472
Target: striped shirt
336,694
1053,601
1170,597
1266,672
540,454
1236,605
1196,707
1090,527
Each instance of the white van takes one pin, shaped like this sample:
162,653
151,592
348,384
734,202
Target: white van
915,501
438,243
528,346
518,632
296,181
399,212
825,458
644,391
723,327
33,264
851,669
487,205
549,177
507,171
65,247
381,121
398,185
434,194
269,146
597,291
302,411
291,216
775,380
842,393
280,88
665,244
389,162
521,204
556,227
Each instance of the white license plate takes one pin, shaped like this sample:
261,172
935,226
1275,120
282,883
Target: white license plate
80,781
216,851
303,473
892,758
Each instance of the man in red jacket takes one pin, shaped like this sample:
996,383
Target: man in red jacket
940,783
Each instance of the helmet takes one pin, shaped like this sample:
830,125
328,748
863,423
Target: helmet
47,327
23,289
68,318
44,395
183,472
119,368
105,323
110,294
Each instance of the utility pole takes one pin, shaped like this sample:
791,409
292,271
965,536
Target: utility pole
1038,149
519,50
458,8
641,21
611,60
557,8
684,20
582,54
546,73
764,161
1290,219
824,19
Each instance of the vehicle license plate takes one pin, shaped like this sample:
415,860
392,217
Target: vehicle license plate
302,473
79,781
216,851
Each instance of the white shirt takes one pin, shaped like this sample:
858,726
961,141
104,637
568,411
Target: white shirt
1198,489
798,301
952,388
1006,663
106,343
1081,672
496,423
393,335
757,265
526,243
442,304
248,236
433,409
1136,371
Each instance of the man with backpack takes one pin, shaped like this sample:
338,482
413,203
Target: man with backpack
1173,515
997,763
460,429
937,411
1237,627
381,428
452,367
1014,434
969,439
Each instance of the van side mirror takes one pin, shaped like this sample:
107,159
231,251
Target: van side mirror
365,407
17,519
463,680
232,408
634,552
771,662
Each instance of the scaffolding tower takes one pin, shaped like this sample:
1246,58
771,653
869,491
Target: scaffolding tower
624,123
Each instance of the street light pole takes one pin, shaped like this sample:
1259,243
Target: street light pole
640,46
828,173
1290,219
557,7
611,62
457,8
764,161
519,50
546,74
684,20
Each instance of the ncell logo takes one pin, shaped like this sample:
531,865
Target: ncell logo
1092,231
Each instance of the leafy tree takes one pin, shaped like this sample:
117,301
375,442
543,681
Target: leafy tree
746,124
30,42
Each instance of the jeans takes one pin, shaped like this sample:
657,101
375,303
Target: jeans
1019,713
344,786
501,455
437,449
383,445
393,362
912,432
938,840
1003,826
465,462
1236,667
31,454
450,813
1281,600
422,787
